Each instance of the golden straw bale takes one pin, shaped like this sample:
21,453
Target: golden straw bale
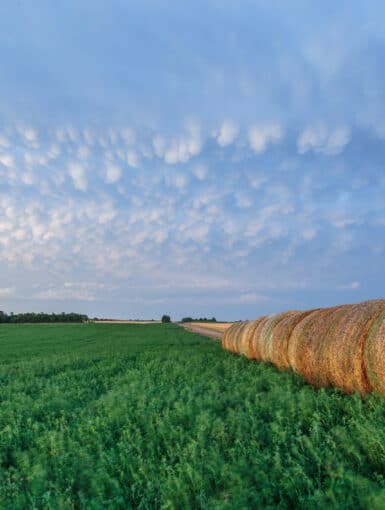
342,346
241,336
307,343
277,352
245,337
344,363
226,338
255,336
263,336
327,348
228,335
374,353
233,336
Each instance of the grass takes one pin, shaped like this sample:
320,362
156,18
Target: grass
100,416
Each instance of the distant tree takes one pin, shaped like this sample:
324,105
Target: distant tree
187,319
166,318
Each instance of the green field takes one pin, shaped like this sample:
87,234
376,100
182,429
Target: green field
105,416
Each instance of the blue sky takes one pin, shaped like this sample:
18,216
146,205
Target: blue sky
192,158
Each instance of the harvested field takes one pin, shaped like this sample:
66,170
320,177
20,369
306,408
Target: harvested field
217,326
341,346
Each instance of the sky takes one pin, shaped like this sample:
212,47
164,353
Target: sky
197,158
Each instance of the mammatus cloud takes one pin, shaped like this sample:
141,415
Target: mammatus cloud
113,173
7,160
132,158
261,136
74,211
4,142
78,175
320,139
227,133
180,150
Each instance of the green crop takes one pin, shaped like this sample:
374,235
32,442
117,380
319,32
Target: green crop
106,416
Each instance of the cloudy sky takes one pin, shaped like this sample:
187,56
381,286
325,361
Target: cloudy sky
197,158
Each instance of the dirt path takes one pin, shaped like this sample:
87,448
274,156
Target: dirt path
213,331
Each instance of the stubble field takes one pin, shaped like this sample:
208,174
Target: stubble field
119,416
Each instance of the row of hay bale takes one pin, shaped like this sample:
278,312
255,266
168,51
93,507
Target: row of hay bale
342,346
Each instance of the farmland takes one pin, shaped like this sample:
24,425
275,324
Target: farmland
153,416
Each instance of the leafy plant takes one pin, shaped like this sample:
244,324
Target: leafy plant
117,416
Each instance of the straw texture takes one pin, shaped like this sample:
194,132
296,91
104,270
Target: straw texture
341,346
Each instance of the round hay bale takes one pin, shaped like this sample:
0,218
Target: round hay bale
228,336
234,337
264,333
225,337
279,338
255,342
307,344
374,353
247,336
241,337
344,363
342,346
327,351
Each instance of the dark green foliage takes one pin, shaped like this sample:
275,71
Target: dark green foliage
166,318
203,319
30,317
101,416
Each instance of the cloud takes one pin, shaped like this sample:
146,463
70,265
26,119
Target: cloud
261,136
355,285
128,135
320,139
30,134
182,208
4,142
132,159
200,171
243,200
113,173
7,160
83,152
159,144
183,148
247,218
227,133
250,298
78,175
6,291
54,151
66,294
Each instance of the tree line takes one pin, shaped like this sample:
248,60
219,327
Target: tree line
201,319
14,318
